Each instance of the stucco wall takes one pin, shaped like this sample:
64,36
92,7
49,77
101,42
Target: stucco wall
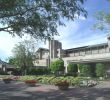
43,62
104,57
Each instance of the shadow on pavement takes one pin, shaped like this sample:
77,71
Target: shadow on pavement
19,91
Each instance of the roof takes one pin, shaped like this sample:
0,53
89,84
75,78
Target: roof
43,49
2,62
89,46
5,63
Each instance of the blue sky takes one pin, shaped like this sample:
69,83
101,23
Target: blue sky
75,34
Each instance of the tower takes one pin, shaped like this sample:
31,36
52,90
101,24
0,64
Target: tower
55,48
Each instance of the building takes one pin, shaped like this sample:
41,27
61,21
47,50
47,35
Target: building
5,67
2,65
91,54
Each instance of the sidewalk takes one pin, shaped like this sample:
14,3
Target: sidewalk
19,91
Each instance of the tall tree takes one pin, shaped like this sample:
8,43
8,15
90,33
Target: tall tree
102,21
38,18
24,55
12,61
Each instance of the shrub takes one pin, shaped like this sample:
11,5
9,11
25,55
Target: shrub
85,70
17,72
3,73
100,70
62,83
44,79
57,66
72,69
80,67
23,78
38,71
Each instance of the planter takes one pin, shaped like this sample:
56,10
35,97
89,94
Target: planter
63,87
6,81
30,83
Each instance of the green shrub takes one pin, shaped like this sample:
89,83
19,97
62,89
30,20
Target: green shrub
44,79
38,71
3,73
72,69
23,78
100,70
57,66
85,70
80,67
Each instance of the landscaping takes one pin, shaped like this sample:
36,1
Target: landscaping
55,75
52,80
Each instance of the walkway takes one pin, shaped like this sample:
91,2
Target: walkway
19,91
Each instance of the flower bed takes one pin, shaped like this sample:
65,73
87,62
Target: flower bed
44,79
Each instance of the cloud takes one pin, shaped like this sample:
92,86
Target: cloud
7,43
80,17
77,34
65,32
73,35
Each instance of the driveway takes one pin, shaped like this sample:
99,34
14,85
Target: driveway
19,91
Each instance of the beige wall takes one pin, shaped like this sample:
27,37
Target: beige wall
88,51
43,62
87,58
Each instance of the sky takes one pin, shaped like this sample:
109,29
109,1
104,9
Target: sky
75,34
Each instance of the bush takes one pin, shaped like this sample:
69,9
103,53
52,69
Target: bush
57,66
46,79
72,69
62,83
17,72
85,70
38,71
3,73
100,70
23,78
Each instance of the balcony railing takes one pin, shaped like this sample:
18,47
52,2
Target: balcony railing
87,52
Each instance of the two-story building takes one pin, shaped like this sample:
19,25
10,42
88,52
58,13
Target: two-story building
91,54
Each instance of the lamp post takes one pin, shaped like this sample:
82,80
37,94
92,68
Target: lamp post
49,55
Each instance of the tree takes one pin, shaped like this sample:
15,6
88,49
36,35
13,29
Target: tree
72,68
57,66
38,18
24,55
102,22
12,61
100,70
